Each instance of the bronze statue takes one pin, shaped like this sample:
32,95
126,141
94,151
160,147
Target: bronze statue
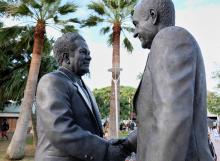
68,120
171,99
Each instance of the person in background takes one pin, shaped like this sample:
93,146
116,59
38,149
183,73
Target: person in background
4,128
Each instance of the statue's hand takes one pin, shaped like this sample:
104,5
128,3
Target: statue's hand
116,150
130,143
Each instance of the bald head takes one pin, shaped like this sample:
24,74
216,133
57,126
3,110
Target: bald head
150,16
165,9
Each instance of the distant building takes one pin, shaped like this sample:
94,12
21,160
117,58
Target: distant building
11,113
212,119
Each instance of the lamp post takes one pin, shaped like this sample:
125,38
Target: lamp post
114,103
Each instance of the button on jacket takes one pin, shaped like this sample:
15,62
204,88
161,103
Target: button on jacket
69,125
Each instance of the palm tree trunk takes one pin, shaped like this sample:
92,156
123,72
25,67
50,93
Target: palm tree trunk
16,147
115,84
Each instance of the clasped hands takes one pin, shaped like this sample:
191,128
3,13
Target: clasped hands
119,149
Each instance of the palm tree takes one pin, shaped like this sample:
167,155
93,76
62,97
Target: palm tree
114,14
15,56
43,13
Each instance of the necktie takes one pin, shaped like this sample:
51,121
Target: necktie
85,92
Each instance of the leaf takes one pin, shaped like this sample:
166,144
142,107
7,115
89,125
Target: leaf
9,32
123,3
67,8
114,4
105,30
34,4
1,24
69,28
128,45
92,21
74,20
129,29
3,6
21,10
97,7
110,39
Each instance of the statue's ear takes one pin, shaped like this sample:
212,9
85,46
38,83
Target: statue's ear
153,16
66,58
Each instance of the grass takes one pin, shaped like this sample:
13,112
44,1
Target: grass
29,148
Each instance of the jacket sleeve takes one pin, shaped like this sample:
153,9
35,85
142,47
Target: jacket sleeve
54,105
173,70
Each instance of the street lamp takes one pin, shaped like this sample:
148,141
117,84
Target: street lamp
115,78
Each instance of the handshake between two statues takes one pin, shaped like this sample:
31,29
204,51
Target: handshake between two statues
120,149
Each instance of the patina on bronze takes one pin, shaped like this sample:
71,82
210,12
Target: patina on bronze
171,99
68,120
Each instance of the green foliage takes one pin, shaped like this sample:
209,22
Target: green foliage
16,42
69,28
103,100
105,30
111,12
15,56
128,45
92,21
213,101
67,8
97,7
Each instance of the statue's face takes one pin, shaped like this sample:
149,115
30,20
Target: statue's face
145,29
80,58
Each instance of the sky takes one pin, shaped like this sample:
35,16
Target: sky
199,17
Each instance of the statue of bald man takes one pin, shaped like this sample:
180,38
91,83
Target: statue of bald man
171,99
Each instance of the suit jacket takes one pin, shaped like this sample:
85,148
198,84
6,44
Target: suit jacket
68,130
171,101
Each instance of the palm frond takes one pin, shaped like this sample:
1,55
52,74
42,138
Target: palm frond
128,45
110,39
105,30
92,21
3,6
128,29
123,3
67,8
49,9
74,20
35,4
69,28
48,1
98,7
22,10
8,33
114,4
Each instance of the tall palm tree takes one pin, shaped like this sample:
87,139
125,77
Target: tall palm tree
114,15
43,13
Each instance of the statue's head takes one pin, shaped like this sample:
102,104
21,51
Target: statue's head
150,16
71,51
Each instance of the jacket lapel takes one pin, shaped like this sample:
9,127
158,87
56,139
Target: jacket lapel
91,105
96,110
71,76
85,98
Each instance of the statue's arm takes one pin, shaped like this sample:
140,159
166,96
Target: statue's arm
173,69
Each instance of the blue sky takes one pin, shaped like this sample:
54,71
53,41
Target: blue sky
183,4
